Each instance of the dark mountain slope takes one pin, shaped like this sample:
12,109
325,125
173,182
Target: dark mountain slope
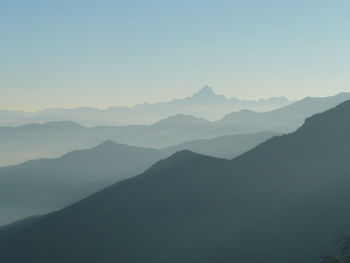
283,201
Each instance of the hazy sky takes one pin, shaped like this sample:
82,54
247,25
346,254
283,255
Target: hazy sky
101,53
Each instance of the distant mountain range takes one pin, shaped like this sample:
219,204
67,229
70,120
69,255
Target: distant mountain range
53,139
283,201
41,186
286,118
205,103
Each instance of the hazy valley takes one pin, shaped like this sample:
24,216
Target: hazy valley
53,139
174,131
285,195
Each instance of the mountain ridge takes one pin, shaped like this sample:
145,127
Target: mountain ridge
40,141
43,185
94,168
288,194
200,104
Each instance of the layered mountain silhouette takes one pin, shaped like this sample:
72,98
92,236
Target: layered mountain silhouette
283,201
284,119
53,139
49,140
41,186
227,147
205,103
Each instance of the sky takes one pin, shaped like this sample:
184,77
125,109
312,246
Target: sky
70,53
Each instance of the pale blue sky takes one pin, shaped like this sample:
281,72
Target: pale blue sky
100,53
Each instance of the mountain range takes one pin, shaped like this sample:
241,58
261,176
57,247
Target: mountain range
205,103
41,186
44,185
33,141
282,201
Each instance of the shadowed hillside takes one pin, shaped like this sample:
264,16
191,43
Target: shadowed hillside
283,201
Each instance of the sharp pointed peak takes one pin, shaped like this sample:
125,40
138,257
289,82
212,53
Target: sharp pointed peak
206,90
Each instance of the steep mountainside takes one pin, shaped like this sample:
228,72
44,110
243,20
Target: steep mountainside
283,201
